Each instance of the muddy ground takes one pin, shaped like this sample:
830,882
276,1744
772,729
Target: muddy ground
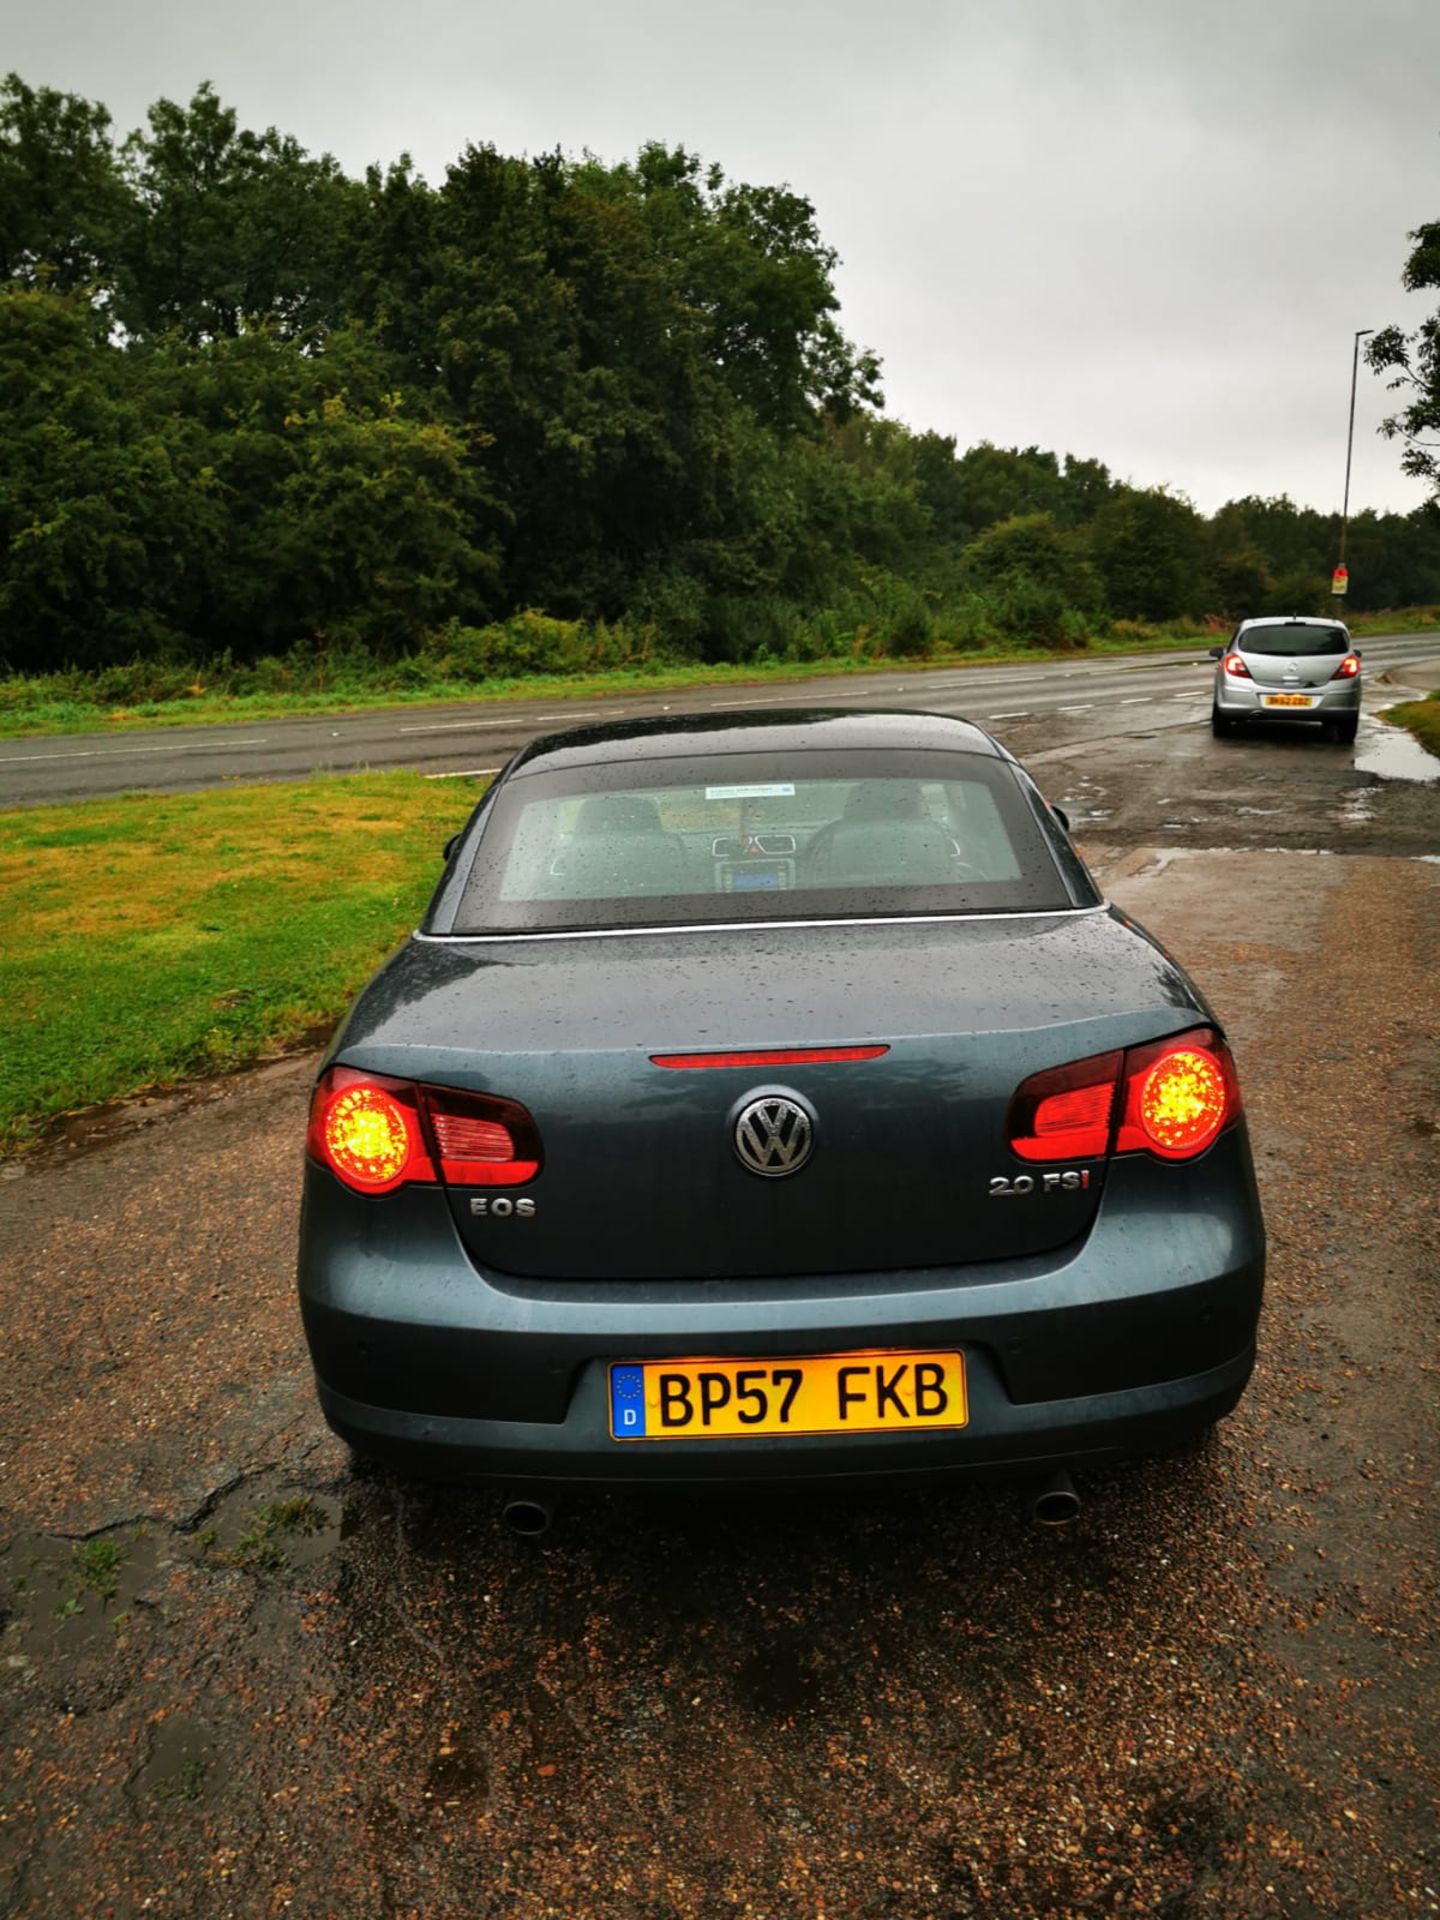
243,1677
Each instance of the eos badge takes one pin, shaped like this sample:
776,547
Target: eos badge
502,1209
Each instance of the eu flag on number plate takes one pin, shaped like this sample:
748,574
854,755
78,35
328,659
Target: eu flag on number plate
627,1403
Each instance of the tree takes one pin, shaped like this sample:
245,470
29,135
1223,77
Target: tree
61,198
229,225
1150,551
95,520
1414,360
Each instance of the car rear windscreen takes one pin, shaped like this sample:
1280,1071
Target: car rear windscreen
758,837
1301,642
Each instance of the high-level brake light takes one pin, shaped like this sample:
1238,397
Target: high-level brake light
769,1057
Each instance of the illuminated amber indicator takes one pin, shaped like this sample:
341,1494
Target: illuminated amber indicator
366,1136
1182,1100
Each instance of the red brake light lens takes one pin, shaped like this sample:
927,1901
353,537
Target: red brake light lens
376,1134
1180,1095
1348,667
1235,667
366,1129
1175,1099
768,1057
480,1139
1064,1113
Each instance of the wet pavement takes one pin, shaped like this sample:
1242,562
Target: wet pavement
240,1676
473,739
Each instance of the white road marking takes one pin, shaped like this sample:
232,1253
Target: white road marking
477,726
1137,700
1089,709
113,753
1023,713
772,700
467,773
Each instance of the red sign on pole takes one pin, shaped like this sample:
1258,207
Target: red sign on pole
1340,580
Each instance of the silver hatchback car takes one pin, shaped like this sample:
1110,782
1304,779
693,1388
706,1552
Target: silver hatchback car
1288,670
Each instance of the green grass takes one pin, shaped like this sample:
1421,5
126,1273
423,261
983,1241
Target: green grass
153,939
94,1567
261,1548
1422,717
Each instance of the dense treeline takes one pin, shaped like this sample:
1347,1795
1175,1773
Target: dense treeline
252,404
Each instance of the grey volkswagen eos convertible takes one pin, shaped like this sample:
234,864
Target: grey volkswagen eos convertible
774,1098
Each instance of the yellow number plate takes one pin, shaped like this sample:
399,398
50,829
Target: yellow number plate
835,1393
1287,699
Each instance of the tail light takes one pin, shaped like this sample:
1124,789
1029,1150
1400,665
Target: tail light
1180,1095
1065,1114
1172,1098
1348,667
1235,667
376,1134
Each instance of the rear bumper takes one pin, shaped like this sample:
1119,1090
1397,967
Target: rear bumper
1134,1337
1244,700
1000,1435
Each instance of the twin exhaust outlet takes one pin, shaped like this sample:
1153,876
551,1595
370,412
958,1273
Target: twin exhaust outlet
1055,1504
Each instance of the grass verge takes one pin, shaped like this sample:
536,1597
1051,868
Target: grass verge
1422,717
152,939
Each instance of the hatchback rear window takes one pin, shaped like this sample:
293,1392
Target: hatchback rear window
763,837
1297,641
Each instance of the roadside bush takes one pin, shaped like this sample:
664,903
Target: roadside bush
907,625
1034,615
530,642
1300,592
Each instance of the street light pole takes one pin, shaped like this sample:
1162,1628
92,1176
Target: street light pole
1350,438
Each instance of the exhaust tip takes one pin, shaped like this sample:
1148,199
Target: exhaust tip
1057,1503
527,1515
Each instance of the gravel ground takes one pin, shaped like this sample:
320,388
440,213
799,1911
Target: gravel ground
316,1690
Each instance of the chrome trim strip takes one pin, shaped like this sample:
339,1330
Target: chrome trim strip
760,926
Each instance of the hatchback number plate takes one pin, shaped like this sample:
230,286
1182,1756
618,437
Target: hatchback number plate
832,1393
1287,700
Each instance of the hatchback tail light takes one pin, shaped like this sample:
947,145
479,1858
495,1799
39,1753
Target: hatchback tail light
1348,667
1172,1098
376,1134
1235,667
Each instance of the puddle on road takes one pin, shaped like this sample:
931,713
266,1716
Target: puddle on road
1357,808
289,1533
65,1599
185,1764
1393,754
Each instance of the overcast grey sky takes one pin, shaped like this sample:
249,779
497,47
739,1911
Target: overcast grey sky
1140,230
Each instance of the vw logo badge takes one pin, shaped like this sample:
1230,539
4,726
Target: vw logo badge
773,1136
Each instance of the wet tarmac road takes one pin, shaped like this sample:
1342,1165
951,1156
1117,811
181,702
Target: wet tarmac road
316,1690
1084,699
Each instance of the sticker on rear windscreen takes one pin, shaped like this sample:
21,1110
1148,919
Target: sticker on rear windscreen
773,790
